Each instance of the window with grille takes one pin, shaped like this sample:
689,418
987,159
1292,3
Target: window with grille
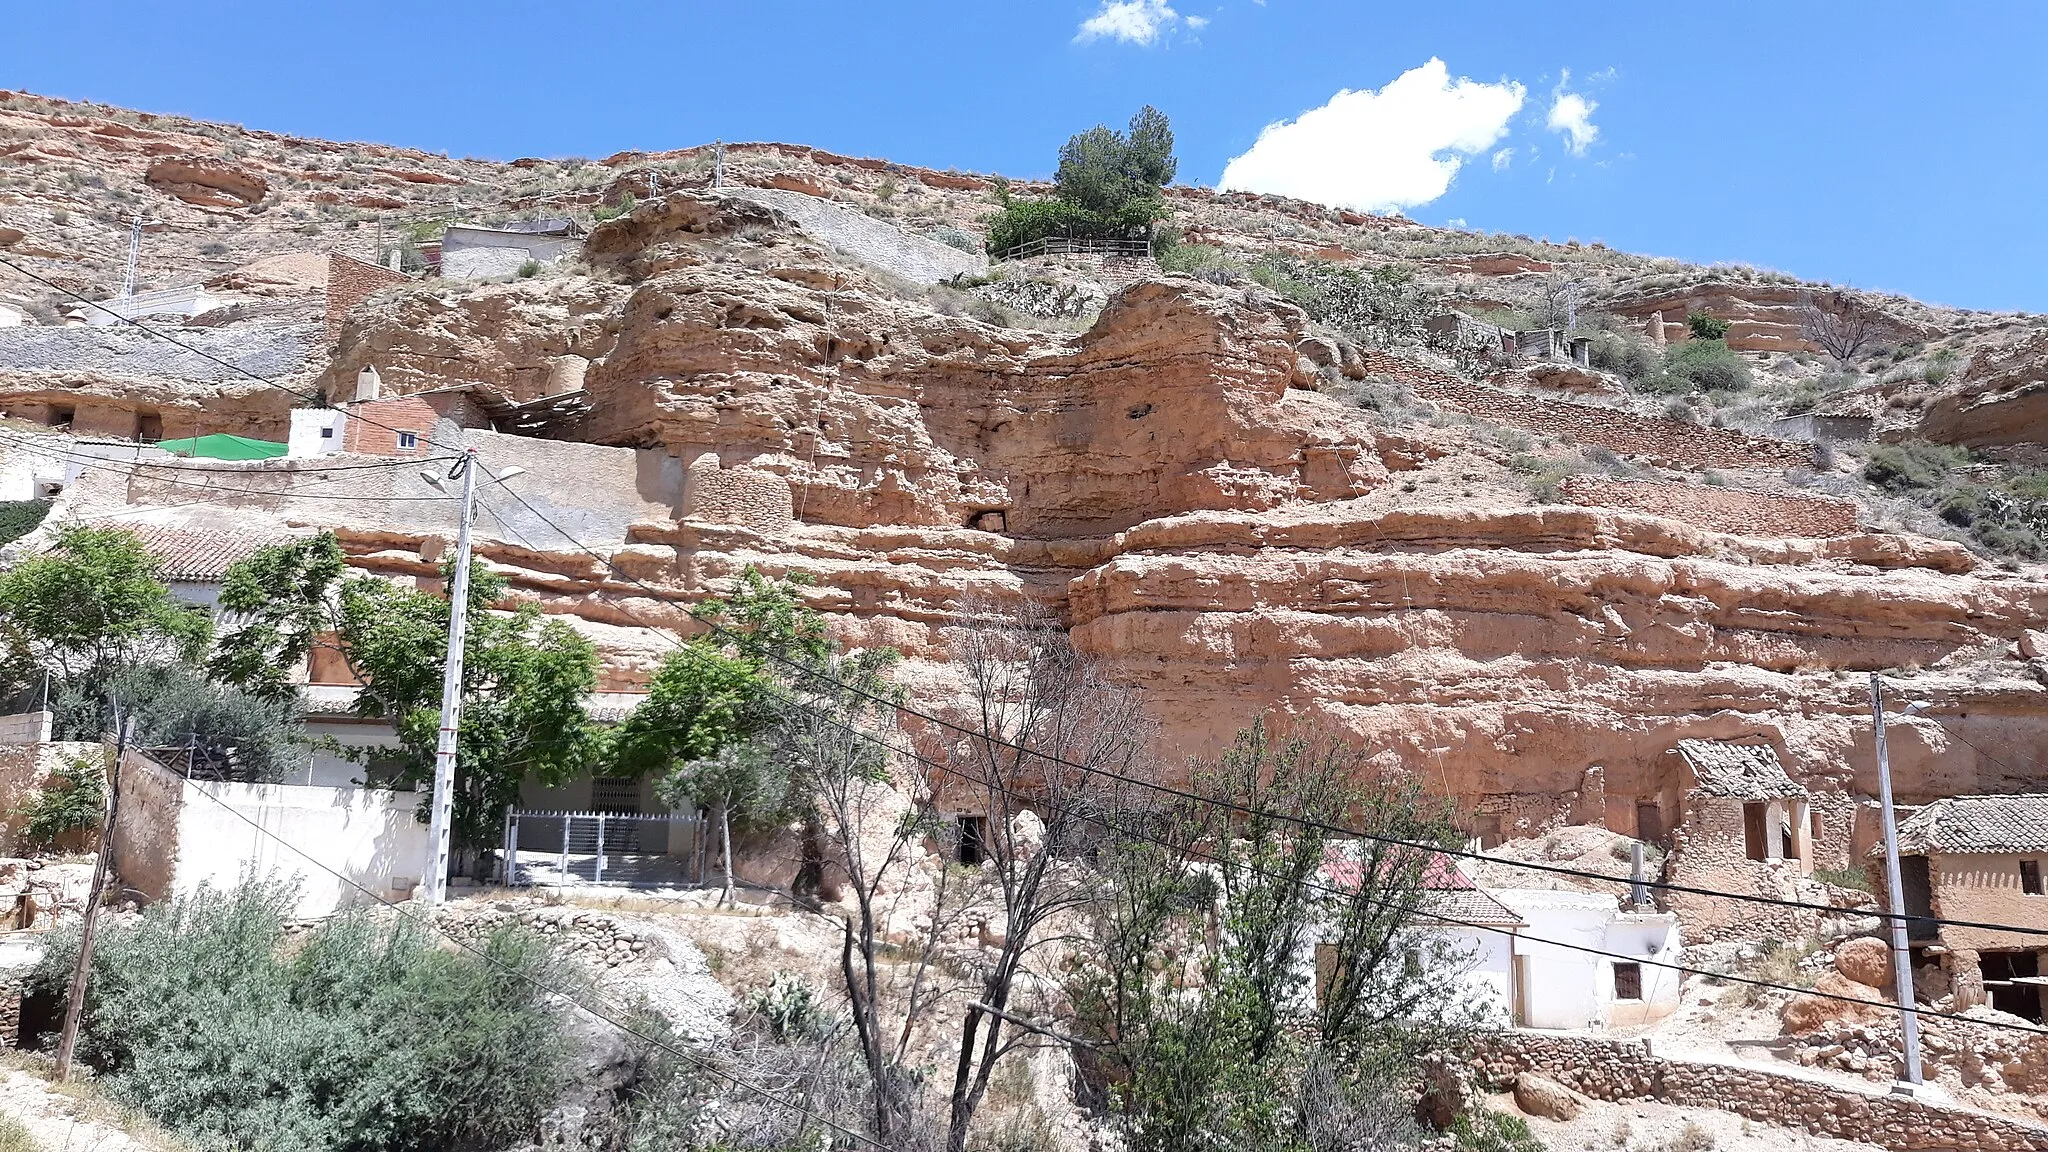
614,794
1628,981
408,439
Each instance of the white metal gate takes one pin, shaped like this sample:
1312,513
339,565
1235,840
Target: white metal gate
628,849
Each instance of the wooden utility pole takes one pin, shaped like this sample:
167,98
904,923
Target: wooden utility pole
74,1004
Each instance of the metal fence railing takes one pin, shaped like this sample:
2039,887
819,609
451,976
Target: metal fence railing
1073,246
629,849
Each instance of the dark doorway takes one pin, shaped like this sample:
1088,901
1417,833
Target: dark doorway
2003,976
1754,817
1487,828
1649,822
149,428
1918,891
973,839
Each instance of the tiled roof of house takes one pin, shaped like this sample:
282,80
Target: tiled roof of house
194,556
1452,894
1737,771
1978,824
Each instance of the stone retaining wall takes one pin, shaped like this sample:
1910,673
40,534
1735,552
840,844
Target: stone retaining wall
1668,443
265,350
1625,1070
349,283
1773,515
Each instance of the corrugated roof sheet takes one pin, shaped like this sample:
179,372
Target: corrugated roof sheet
1737,771
1978,824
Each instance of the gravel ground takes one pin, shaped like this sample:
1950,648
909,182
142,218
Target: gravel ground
75,1120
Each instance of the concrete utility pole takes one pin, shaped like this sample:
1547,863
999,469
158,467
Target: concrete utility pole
451,691
438,829
74,1002
1902,956
134,253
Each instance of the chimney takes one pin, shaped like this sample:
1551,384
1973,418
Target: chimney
368,385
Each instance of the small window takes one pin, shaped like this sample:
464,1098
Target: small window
327,433
2030,877
408,440
973,839
1628,981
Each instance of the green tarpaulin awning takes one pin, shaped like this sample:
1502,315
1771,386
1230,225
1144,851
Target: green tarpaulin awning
221,446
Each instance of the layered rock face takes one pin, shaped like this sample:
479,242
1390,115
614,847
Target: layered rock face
1220,535
2001,399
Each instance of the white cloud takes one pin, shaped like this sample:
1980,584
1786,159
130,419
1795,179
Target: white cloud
1197,23
1573,115
1136,21
1503,158
1384,150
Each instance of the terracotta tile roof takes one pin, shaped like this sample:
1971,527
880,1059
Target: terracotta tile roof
1737,771
1978,824
195,556
1452,894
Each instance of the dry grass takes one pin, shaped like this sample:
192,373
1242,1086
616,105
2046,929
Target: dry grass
88,1106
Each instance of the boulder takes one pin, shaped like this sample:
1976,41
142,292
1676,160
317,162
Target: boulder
1804,1013
1866,960
1546,1098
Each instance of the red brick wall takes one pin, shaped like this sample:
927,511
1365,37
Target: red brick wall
375,433
349,283
1772,515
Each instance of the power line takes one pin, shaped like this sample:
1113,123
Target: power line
237,369
1557,869
621,1025
1319,826
115,465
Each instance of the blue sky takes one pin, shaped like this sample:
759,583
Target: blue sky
1886,145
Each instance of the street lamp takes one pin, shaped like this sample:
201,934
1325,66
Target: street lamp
1902,955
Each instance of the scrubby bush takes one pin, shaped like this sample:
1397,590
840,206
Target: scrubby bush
1706,365
1629,358
365,1037
1484,1130
954,238
224,731
1915,464
1705,327
529,269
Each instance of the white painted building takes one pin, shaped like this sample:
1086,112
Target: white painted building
474,252
11,316
1560,980
315,432
186,300
175,835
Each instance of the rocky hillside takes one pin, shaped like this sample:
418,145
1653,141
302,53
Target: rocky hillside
1521,581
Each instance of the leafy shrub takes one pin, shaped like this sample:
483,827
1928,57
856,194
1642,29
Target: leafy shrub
366,1037
72,799
1707,365
1705,327
18,518
1107,187
227,732
604,212
529,269
1914,464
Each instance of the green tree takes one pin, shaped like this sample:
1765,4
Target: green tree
1293,1025
218,730
93,604
1107,187
280,600
713,701
524,682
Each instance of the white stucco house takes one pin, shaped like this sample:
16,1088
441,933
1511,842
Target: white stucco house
1532,958
1569,987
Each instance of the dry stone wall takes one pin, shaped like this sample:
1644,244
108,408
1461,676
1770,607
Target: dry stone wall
1666,442
1626,1070
1732,510
349,283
